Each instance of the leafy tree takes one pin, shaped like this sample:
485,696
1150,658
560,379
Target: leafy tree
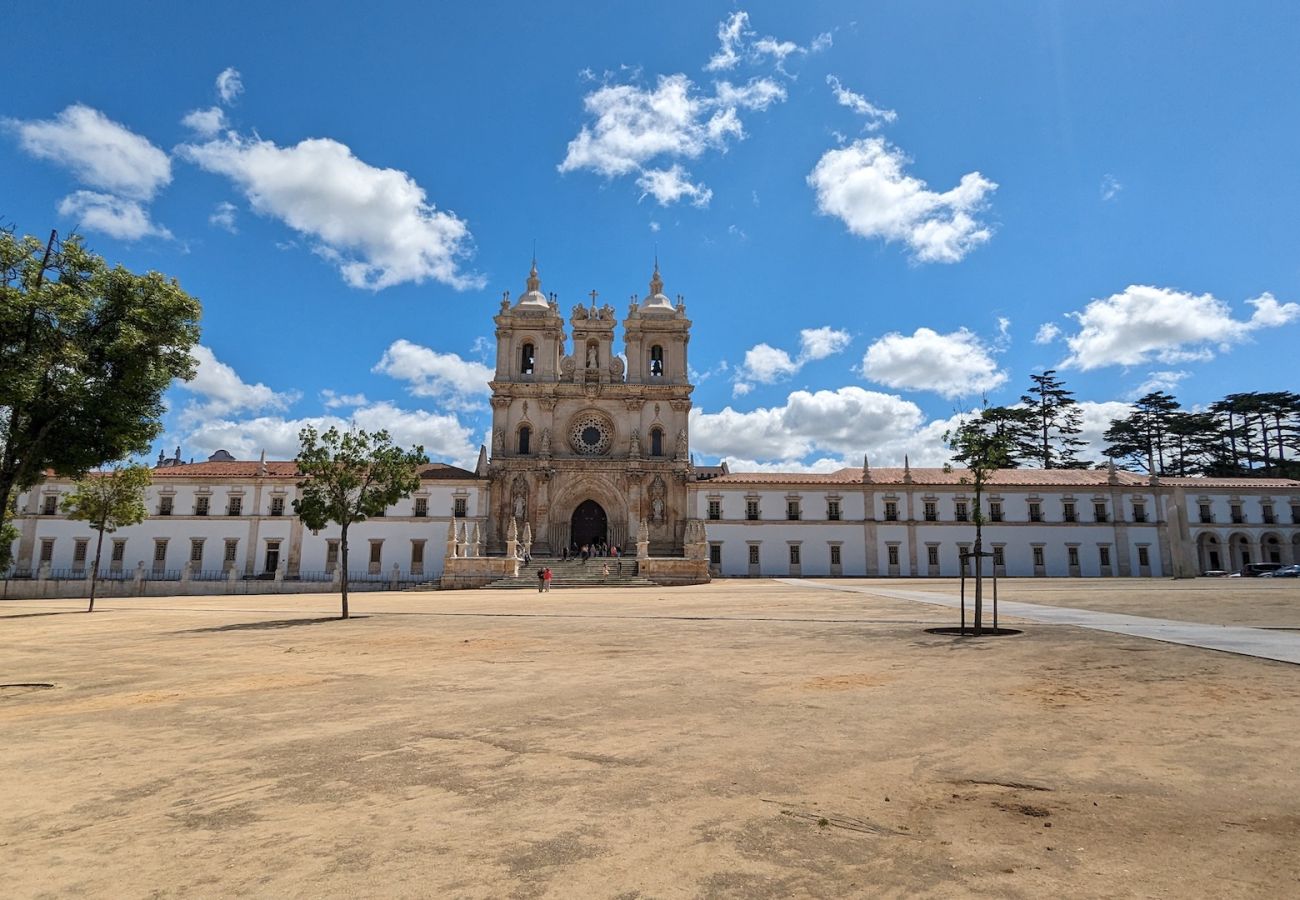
349,477
983,448
108,500
86,351
1143,437
1016,426
8,534
1057,422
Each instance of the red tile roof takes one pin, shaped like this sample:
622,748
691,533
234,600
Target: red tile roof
285,469
894,476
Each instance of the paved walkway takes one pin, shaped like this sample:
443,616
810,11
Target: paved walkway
1283,646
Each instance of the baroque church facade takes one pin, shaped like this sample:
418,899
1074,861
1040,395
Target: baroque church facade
590,446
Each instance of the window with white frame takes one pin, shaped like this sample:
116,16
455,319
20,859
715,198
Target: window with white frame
932,555
751,509
792,510
715,509
753,554
893,554
833,510
1038,556
201,504
196,550
891,510
931,511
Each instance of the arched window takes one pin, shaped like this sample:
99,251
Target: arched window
656,441
525,434
656,361
526,356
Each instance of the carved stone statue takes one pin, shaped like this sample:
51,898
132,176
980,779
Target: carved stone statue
657,492
498,442
634,448
519,498
657,509
593,361
546,441
580,312
681,444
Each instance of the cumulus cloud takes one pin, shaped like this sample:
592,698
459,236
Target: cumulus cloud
766,364
646,130
1166,380
732,34
1047,332
1094,422
219,391
100,152
334,400
117,217
843,423
229,85
223,216
875,115
951,365
457,382
206,122
1145,323
376,225
865,186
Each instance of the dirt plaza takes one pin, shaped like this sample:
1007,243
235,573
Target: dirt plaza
739,739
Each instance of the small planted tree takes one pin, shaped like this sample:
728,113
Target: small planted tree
349,476
108,500
982,448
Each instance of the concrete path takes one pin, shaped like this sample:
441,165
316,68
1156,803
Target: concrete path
1283,646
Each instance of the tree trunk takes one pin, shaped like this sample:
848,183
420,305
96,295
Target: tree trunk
94,573
979,549
343,580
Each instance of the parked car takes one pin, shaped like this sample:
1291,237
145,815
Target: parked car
1284,572
1255,570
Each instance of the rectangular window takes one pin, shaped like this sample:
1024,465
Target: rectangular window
79,552
235,507
715,509
893,554
1139,512
417,553
931,511
962,511
1068,511
891,511
932,555
794,554
753,554
277,506
165,505
1206,515
272,557
1144,558
331,555
160,550
1038,556
1237,517
833,510
715,554
47,549
422,507
232,549
998,558
1035,512
51,506
460,507
751,510
196,550
1099,512
1269,518
835,554
119,550
792,510
201,506
376,552
1073,554
1103,556
1295,515
995,512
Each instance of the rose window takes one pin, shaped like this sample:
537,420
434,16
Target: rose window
590,435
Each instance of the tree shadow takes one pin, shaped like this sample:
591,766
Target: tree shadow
272,625
62,612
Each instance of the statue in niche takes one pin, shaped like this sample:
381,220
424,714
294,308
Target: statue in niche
634,449
519,497
658,490
593,360
546,441
498,442
657,509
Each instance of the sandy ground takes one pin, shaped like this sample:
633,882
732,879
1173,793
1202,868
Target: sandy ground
744,739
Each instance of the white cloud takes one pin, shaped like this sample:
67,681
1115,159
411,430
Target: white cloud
1047,332
1110,187
220,390
876,116
1145,323
846,422
633,127
116,217
206,122
766,364
445,376
1159,381
375,224
731,36
1094,422
333,400
821,42
223,216
670,185
864,185
229,85
100,152
951,365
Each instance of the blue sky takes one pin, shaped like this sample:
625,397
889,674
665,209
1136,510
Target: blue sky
877,212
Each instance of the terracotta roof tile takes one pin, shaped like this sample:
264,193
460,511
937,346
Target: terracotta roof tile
1290,483
285,469
894,476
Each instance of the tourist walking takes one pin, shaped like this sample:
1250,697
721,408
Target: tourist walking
541,580
546,579
605,572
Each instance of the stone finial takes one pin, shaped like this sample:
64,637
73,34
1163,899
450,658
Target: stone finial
534,283
513,532
1112,476
478,540
866,468
261,465
907,470
656,283
481,467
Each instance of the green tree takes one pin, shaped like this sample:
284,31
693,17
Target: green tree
1057,423
108,500
983,448
349,477
1144,436
86,352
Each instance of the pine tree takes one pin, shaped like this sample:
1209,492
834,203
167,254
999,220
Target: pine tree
1057,423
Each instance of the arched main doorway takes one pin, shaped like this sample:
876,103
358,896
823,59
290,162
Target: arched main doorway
589,524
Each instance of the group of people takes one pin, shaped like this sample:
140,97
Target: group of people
587,551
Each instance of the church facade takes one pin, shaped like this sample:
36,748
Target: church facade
591,447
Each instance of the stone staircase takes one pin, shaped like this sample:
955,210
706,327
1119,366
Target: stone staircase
572,573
